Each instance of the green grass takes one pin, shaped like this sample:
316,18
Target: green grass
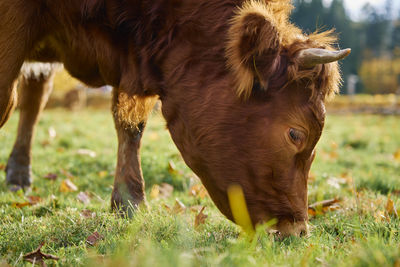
356,147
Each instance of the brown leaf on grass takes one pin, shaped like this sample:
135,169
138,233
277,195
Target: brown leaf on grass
161,191
196,208
391,208
2,167
20,205
167,207
179,207
68,186
324,206
83,197
198,190
200,218
94,238
34,199
88,214
38,257
51,176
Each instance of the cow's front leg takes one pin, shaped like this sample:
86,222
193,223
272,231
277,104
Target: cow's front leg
130,116
35,87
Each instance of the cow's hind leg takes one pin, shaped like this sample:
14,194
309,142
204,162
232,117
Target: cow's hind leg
130,116
36,84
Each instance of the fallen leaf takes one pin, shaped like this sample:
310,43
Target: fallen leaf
88,214
2,167
390,208
196,208
333,155
172,168
83,197
198,190
94,238
86,152
179,207
334,145
103,174
34,199
20,205
380,216
155,191
38,256
68,186
324,206
200,218
167,207
51,176
396,155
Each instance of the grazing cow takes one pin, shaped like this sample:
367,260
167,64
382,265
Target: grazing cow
242,89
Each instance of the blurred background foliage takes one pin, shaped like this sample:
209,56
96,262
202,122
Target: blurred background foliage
374,39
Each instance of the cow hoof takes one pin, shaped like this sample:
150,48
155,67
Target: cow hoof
18,175
124,204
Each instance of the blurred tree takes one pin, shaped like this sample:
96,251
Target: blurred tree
376,29
395,40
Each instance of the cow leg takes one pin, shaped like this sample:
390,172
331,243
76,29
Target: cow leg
17,36
34,92
130,115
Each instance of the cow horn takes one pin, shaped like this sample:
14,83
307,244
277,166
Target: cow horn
313,56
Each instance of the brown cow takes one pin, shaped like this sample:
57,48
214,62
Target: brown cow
242,89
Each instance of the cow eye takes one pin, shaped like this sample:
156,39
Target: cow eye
296,136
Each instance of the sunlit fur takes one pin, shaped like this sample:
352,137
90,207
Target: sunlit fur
277,36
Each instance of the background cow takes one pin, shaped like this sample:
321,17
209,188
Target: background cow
242,89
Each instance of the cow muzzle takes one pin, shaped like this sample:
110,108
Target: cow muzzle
288,228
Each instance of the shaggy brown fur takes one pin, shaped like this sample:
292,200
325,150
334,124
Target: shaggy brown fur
274,35
237,102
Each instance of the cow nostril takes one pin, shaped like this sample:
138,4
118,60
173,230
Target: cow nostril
303,233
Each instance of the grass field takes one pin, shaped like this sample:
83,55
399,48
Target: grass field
358,162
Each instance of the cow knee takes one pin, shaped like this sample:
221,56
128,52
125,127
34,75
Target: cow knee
131,111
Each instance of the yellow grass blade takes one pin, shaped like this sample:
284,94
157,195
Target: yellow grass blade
239,210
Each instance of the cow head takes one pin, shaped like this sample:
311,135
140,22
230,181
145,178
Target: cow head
256,124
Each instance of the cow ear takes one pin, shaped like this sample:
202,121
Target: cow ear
253,48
